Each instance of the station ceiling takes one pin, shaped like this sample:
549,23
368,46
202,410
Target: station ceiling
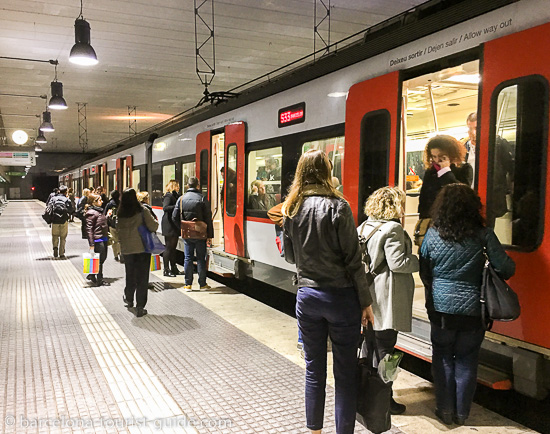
146,53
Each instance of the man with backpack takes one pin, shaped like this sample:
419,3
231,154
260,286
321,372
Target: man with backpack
61,209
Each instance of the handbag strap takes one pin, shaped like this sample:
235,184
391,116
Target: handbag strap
485,322
370,338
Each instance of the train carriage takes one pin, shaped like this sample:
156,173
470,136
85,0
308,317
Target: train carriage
373,114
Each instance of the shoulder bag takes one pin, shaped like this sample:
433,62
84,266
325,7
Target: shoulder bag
151,241
374,394
365,256
499,302
420,229
194,229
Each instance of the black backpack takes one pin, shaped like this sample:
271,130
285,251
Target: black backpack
48,213
60,212
365,256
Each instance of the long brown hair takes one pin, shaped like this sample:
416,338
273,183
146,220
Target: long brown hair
313,168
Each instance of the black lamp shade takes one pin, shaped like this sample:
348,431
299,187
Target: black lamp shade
82,52
39,139
57,102
46,125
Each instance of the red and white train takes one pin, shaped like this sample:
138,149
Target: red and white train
372,106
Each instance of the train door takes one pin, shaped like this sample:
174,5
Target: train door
233,189
436,103
513,154
123,173
371,136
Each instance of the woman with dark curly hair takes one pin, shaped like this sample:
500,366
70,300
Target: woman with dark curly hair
443,159
451,266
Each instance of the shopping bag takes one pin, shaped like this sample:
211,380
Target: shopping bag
90,263
151,241
374,394
155,263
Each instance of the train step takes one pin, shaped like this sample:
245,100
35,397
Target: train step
421,348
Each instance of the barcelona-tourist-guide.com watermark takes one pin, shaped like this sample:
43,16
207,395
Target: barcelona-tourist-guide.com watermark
21,421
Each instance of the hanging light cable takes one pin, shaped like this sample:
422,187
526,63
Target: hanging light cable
57,102
82,52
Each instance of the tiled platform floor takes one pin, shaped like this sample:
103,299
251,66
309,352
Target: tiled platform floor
215,361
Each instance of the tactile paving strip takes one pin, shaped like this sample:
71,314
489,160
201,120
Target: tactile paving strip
141,398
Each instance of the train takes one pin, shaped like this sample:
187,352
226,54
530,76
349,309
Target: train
372,105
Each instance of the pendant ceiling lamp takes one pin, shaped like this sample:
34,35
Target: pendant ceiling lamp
57,102
39,139
46,125
82,52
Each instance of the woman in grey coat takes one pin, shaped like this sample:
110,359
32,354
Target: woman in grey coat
390,250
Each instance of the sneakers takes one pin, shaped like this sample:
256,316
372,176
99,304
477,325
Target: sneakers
141,312
205,287
188,288
55,255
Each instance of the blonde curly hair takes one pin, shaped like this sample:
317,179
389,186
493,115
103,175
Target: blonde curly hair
386,203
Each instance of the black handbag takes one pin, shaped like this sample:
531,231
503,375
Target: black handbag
499,302
374,395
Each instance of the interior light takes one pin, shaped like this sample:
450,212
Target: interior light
40,139
57,102
464,78
159,146
82,52
20,137
47,125
337,94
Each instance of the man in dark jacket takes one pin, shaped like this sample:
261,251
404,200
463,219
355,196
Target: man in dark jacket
193,206
62,209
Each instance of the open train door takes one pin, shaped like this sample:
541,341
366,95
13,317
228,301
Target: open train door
372,121
513,166
203,162
234,186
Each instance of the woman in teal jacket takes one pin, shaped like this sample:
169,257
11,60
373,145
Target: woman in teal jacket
451,266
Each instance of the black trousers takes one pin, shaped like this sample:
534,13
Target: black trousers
169,255
137,277
102,249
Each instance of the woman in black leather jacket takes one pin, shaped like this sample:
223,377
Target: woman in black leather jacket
333,295
170,228
97,231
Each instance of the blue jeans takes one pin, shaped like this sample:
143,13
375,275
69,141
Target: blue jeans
335,312
192,246
454,368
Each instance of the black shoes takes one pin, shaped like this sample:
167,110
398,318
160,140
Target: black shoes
176,272
122,259
91,277
126,302
396,408
117,258
446,418
459,420
141,312
55,255
168,273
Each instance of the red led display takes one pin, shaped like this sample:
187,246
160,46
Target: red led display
292,115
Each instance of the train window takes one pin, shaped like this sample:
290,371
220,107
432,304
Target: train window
136,179
168,173
187,171
375,145
203,172
334,148
264,178
231,184
517,162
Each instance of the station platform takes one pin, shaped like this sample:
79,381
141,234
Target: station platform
74,359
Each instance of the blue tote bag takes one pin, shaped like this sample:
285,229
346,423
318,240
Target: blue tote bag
150,239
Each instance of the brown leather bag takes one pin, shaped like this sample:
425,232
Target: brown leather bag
193,230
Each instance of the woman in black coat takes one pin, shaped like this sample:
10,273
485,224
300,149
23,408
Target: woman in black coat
170,228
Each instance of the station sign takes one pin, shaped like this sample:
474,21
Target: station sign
291,115
16,158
